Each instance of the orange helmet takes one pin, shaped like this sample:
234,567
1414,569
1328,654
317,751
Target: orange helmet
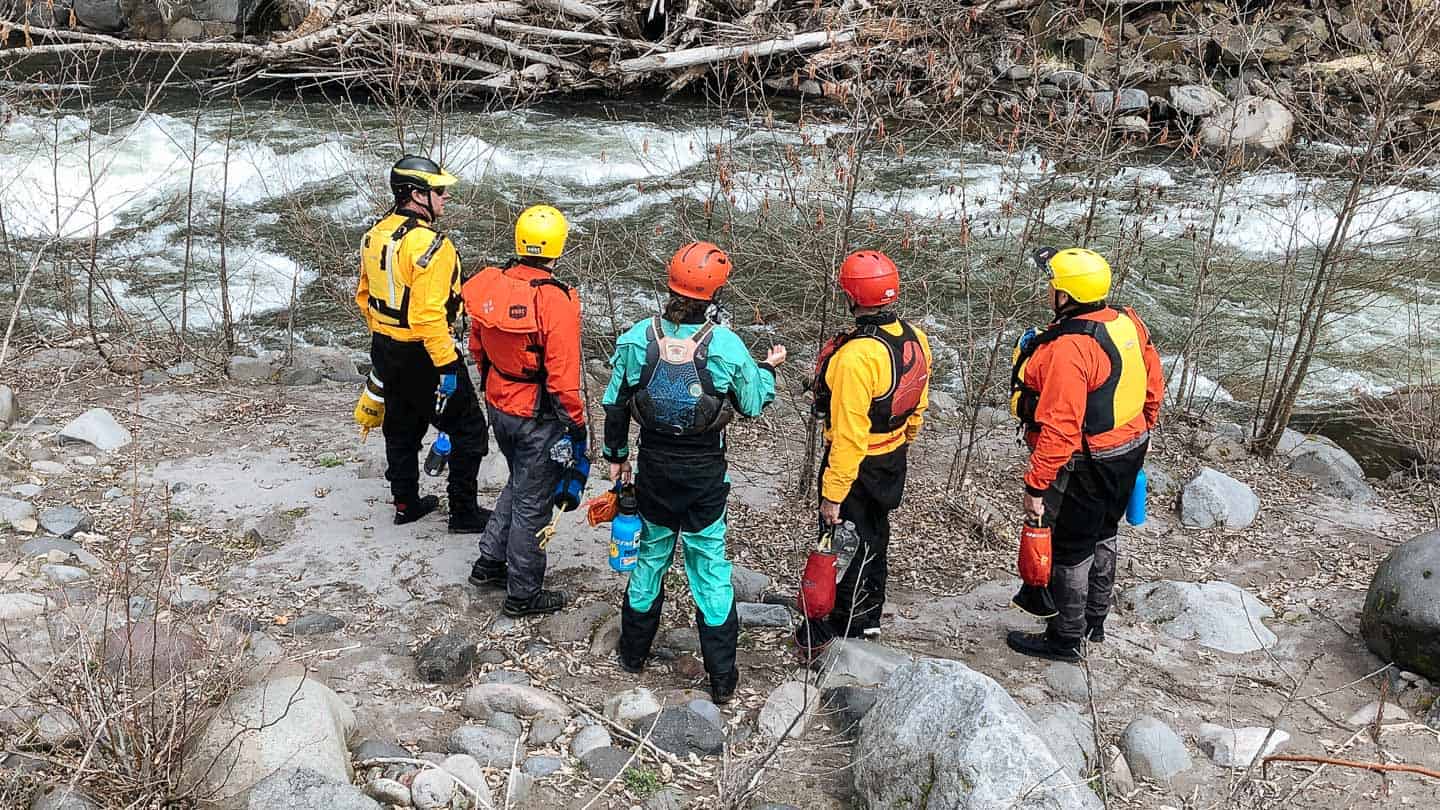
699,270
870,278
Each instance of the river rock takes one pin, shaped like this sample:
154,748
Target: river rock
1126,102
378,749
576,625
49,467
135,650
330,363
491,747
16,606
307,789
517,788
432,790
588,739
96,427
505,676
485,699
1067,681
750,585
1238,747
64,521
630,705
1262,123
1153,750
388,791
279,725
445,659
1401,619
315,624
848,705
300,375
14,513
1196,100
1217,615
606,638
1366,715
1070,736
681,731
761,615
1213,499
62,798
1069,80
192,597
546,727
1334,471
790,702
9,407
250,369
848,661
542,766
604,764
63,575
992,754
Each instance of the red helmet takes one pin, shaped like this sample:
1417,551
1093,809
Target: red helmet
870,278
699,270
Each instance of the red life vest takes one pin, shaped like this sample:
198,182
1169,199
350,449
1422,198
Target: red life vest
910,373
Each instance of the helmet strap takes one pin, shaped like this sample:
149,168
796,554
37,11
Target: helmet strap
716,312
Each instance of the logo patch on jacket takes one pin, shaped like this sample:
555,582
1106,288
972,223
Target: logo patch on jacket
518,311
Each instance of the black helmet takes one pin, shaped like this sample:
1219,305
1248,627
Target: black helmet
418,173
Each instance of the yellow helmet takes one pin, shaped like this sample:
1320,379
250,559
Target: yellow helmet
1080,273
541,231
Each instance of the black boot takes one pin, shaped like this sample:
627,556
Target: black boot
412,510
637,633
468,519
812,636
1044,645
542,601
485,572
1095,630
717,647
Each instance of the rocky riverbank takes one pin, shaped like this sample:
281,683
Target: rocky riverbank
1183,75
220,553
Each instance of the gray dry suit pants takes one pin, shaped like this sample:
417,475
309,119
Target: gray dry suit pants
523,507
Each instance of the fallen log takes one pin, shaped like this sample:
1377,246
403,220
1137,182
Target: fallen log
477,13
712,54
496,43
573,8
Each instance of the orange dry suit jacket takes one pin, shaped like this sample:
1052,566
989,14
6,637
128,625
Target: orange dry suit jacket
1064,371
525,338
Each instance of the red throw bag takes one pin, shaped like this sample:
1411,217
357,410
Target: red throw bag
1035,555
817,586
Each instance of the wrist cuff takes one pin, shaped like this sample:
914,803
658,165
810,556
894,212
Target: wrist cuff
1032,491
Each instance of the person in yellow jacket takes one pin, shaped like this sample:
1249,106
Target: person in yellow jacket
409,293
872,386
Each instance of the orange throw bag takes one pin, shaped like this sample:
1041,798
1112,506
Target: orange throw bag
602,509
1036,559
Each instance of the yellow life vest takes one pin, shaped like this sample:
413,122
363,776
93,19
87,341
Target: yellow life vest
389,255
1118,400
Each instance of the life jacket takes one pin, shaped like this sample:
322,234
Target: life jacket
676,395
910,373
389,294
1117,401
502,303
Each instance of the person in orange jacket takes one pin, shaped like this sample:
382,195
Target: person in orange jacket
872,386
409,293
525,337
1088,390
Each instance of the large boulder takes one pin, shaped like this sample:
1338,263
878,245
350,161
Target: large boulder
100,15
1214,499
856,662
1071,737
96,427
1401,620
1334,471
281,725
305,789
1217,615
944,735
1262,123
1196,100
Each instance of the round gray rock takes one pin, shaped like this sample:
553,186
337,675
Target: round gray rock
445,659
1401,620
491,747
304,789
1214,499
62,799
1217,615
64,521
1153,750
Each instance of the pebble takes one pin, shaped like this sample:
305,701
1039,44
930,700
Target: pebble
388,791
588,739
63,575
542,766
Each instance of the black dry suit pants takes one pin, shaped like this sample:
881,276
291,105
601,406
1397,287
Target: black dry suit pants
1083,508
409,377
860,593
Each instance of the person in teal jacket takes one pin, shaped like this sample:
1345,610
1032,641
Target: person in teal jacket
683,377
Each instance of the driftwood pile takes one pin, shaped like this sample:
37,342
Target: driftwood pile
513,48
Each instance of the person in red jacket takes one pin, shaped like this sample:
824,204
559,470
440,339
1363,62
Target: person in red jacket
525,338
1088,390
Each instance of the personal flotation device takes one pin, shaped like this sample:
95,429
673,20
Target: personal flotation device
1117,401
910,373
676,395
389,294
502,303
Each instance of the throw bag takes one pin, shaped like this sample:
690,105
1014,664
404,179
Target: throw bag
817,585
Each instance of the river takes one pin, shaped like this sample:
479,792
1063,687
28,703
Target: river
301,180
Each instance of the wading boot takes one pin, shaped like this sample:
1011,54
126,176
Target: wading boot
541,602
637,633
469,519
717,647
1095,631
488,573
1044,645
412,510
